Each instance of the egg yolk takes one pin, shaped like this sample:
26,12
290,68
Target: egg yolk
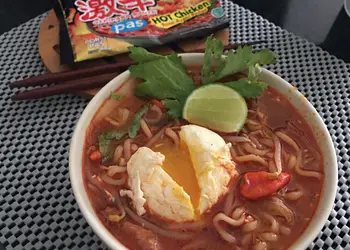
178,165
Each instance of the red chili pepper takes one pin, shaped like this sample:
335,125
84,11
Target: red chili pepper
159,104
95,156
259,184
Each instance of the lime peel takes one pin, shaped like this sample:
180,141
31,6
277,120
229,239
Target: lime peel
216,107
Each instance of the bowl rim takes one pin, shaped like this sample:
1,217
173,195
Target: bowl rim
78,139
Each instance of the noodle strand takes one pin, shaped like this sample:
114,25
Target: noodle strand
274,224
114,169
173,135
261,245
146,224
134,148
292,161
268,236
127,149
155,138
229,202
267,142
298,169
247,147
158,115
238,139
118,152
277,154
225,235
111,181
293,195
250,226
251,157
146,130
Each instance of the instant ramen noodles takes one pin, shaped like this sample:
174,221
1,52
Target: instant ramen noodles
165,170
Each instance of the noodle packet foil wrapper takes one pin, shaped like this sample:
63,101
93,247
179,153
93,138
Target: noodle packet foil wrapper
91,29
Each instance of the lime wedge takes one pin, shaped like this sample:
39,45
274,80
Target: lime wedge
216,107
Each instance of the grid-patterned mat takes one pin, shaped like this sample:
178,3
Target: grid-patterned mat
37,207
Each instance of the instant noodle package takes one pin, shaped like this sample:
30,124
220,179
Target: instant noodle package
99,28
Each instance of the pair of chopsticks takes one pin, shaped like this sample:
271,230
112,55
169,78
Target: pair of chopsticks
82,79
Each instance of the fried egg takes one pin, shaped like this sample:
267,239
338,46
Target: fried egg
211,159
150,184
180,184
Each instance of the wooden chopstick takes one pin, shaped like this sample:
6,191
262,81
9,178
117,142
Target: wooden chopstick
71,75
49,78
75,80
67,87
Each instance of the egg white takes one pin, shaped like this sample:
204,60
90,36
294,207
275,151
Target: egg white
150,183
211,159
152,189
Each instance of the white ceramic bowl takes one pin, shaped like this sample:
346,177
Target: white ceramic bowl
295,97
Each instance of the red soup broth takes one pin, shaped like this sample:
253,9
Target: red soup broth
274,113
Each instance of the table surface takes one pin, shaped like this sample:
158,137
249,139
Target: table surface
323,22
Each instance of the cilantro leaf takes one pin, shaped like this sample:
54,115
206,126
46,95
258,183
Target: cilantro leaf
103,144
254,71
104,140
213,53
116,135
135,125
141,55
240,60
115,96
107,157
174,108
164,78
264,56
248,88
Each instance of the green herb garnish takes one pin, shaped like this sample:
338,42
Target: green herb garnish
107,157
212,58
115,135
174,108
104,139
165,78
216,67
141,55
103,144
115,96
249,87
135,125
